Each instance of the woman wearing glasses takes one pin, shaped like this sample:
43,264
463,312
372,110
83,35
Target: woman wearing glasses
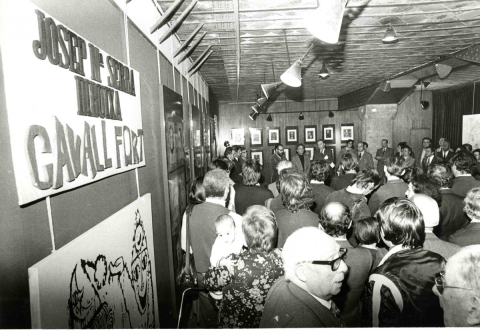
399,292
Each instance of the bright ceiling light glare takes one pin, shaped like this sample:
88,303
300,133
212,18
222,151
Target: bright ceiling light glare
325,22
293,76
324,74
390,36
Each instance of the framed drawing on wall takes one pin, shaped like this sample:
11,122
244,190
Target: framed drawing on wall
328,133
238,137
310,151
291,132
346,132
256,137
310,133
257,155
273,136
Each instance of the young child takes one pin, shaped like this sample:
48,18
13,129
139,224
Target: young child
226,243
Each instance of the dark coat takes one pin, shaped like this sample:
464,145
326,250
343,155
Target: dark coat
452,216
383,157
246,196
326,156
463,184
297,164
470,235
365,162
444,248
392,188
447,158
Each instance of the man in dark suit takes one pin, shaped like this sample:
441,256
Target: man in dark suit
429,159
463,165
452,216
323,154
426,142
303,297
446,153
383,154
470,235
301,161
365,159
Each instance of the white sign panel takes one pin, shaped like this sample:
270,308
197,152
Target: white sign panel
74,111
104,279
471,130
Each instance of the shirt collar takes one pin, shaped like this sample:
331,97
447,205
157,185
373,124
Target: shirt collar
216,201
393,250
313,181
464,175
325,303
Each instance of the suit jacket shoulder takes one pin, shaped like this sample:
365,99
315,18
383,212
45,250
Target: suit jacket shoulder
470,235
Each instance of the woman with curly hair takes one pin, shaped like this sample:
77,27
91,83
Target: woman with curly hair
297,197
246,278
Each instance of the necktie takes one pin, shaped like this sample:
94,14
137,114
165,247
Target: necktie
444,154
359,155
383,151
336,312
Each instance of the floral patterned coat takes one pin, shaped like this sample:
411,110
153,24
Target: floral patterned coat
245,291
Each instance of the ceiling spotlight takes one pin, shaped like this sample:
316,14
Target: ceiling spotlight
301,117
253,116
269,118
390,36
268,89
325,22
255,108
293,76
423,104
324,72
261,102
385,86
442,70
331,114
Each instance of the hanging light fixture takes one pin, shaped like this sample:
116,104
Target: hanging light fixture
301,117
325,22
331,114
390,36
255,108
324,74
423,104
268,89
253,116
442,70
269,118
385,86
293,76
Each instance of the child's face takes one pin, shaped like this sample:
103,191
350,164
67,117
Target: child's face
226,232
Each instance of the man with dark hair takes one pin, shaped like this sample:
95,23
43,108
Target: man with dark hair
429,159
354,195
452,216
469,235
463,165
446,153
238,162
319,171
278,155
229,153
349,166
335,220
323,154
383,154
426,142
301,161
365,159
347,149
407,272
250,193
394,187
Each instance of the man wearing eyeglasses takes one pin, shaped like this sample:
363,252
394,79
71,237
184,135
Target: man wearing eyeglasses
314,272
458,288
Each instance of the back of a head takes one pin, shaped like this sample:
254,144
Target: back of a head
367,231
218,164
425,185
365,177
259,228
304,245
429,209
349,162
197,191
282,174
251,172
441,175
284,164
464,161
216,183
228,151
401,222
395,165
319,170
296,192
335,219
472,204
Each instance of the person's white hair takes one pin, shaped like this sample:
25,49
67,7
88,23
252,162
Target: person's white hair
464,266
284,165
304,245
429,208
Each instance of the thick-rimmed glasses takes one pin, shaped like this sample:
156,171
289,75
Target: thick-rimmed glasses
441,285
335,263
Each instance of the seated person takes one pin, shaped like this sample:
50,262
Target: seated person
349,165
319,171
367,234
469,235
276,203
280,166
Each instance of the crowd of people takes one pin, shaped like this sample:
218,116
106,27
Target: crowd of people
395,246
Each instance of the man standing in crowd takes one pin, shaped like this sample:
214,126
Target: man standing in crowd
347,149
365,159
383,154
463,165
323,154
452,216
278,155
235,175
429,159
458,288
301,162
314,272
394,187
426,142
470,235
446,153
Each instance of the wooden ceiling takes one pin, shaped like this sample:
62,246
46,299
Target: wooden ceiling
255,41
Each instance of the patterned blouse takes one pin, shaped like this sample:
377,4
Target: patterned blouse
245,291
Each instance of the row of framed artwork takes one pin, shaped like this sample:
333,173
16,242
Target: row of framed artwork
291,135
257,154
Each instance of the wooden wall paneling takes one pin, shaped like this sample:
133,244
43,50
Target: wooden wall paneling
177,82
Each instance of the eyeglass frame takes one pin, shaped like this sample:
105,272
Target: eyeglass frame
440,277
341,256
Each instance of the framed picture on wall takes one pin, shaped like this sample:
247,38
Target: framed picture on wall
310,133
273,136
328,133
332,149
238,137
310,151
291,132
257,155
256,137
346,132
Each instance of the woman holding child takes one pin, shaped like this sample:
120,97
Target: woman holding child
246,278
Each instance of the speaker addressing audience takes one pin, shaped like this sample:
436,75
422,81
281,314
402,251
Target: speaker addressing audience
407,272
314,272
301,161
365,159
470,235
458,288
319,172
463,165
